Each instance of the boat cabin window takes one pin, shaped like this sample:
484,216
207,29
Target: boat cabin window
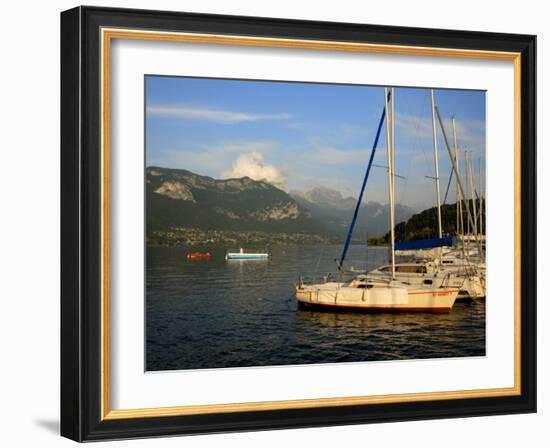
407,268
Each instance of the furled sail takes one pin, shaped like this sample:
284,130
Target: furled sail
360,198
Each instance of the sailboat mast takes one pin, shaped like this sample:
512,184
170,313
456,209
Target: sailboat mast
436,163
474,200
480,202
458,205
389,152
393,170
460,186
466,165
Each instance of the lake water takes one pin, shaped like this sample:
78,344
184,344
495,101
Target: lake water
213,314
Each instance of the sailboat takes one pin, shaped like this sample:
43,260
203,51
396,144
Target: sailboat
377,294
433,261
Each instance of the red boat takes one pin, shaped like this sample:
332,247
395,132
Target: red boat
198,256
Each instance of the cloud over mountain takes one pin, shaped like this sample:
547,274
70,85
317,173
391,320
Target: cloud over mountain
252,165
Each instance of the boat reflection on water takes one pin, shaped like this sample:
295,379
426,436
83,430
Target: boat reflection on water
392,336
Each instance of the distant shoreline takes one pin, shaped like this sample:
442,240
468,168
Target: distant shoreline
175,237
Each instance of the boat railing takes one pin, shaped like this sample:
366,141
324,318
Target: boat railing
314,279
446,280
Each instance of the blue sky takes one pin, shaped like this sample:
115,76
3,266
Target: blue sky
303,135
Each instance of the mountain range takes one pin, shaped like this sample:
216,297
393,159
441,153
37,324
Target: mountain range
177,198
335,212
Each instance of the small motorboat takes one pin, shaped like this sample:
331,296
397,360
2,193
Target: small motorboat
242,255
198,256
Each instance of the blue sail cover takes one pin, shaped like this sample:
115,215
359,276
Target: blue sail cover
424,244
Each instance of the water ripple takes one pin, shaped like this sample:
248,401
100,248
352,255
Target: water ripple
213,314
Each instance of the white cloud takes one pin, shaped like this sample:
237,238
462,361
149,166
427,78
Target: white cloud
213,115
252,165
207,159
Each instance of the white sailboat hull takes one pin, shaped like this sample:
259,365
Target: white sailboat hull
376,298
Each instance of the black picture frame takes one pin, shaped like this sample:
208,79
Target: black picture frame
81,224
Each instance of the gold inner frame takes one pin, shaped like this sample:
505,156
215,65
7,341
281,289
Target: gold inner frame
107,35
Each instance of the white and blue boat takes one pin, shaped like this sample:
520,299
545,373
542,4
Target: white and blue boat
242,255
